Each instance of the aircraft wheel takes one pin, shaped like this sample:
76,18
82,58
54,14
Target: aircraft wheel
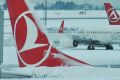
109,47
75,43
91,47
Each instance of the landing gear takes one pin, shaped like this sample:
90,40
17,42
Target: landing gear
109,47
75,43
91,47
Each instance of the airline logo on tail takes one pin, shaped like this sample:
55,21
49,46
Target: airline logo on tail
112,15
28,41
114,18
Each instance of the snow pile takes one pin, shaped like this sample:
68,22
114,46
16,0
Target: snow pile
76,72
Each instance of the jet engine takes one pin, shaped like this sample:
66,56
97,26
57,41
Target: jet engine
68,43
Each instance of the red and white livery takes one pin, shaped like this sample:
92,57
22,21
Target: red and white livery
113,16
33,46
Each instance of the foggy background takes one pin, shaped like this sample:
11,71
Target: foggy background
70,4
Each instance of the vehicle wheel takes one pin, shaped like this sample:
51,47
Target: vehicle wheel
75,43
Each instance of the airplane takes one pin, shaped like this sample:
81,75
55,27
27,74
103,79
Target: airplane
95,36
35,48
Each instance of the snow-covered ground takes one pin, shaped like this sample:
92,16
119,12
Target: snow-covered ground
77,72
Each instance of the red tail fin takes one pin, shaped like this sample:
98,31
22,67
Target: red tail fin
33,46
61,27
114,18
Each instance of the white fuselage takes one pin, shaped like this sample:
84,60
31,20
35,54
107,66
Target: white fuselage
109,34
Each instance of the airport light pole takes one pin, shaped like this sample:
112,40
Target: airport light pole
1,37
45,12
